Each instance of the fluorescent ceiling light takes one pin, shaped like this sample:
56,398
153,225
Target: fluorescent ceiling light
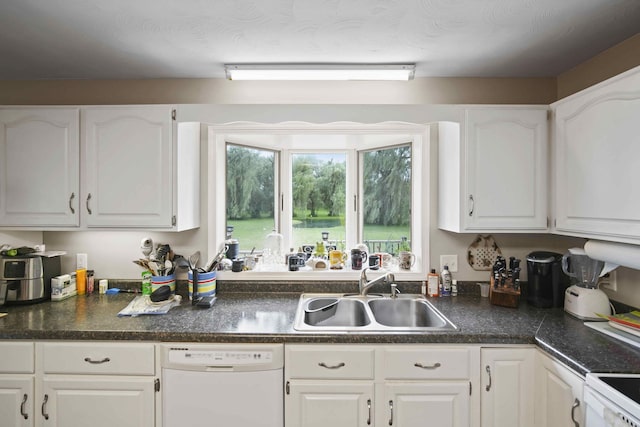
319,72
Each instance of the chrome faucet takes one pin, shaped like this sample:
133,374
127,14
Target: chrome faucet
365,284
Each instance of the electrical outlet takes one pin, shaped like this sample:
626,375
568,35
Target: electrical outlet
451,261
609,281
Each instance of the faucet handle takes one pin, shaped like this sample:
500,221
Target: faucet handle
394,290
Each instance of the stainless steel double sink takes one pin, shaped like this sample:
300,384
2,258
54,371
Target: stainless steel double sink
369,313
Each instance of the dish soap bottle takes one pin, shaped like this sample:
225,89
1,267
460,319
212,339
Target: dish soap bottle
433,284
446,282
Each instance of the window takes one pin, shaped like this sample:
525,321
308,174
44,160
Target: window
341,185
318,195
250,194
386,193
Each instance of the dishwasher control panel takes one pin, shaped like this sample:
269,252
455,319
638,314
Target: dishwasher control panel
203,357
235,357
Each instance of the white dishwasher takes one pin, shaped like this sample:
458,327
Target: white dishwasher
238,385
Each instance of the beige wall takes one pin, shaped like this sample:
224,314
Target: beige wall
436,90
221,91
609,63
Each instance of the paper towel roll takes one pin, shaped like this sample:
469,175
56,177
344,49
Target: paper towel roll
617,253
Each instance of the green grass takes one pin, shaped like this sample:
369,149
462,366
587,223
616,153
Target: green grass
253,232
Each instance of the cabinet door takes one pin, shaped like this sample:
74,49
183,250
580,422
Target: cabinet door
79,401
39,158
596,160
329,403
442,404
506,169
558,394
16,400
507,386
128,166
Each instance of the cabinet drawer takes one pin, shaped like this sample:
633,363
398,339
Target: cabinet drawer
426,363
329,362
17,357
98,358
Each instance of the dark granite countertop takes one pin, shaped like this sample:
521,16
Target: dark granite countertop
268,317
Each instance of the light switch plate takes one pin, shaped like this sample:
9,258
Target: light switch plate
449,260
81,261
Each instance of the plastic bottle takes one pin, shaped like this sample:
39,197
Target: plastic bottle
454,288
446,282
90,281
81,281
146,282
432,283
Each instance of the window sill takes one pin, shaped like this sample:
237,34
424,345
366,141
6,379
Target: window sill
311,275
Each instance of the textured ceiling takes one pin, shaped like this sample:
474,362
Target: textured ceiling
115,39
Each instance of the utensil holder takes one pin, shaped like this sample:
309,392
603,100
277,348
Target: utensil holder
206,284
157,281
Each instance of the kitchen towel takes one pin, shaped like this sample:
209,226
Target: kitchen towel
622,254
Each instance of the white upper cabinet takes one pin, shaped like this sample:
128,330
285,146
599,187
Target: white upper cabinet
493,177
127,166
130,167
39,158
597,147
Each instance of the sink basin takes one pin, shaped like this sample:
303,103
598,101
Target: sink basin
369,313
401,312
343,312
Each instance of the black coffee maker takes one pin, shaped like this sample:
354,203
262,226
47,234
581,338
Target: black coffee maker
546,282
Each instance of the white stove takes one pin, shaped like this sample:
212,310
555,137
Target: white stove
612,400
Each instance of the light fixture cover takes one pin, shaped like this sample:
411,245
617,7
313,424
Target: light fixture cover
319,72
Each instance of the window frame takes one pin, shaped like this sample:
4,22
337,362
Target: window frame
275,135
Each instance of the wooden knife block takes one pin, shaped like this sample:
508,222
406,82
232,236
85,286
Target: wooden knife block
504,295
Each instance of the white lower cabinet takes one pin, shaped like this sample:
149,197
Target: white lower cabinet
16,400
425,403
100,384
329,385
80,401
507,387
558,394
383,385
17,384
333,403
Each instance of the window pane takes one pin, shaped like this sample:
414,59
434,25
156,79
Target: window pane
387,199
319,194
250,195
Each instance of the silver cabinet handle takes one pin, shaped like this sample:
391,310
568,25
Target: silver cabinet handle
576,404
391,412
488,369
369,409
73,196
434,366
96,362
44,407
88,208
22,407
338,366
473,204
